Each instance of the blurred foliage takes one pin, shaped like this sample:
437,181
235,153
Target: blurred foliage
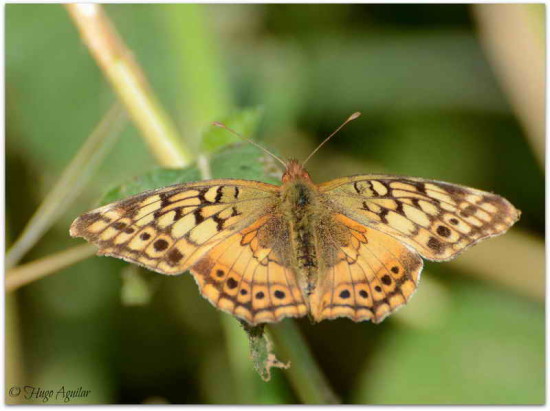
237,161
431,106
490,345
244,122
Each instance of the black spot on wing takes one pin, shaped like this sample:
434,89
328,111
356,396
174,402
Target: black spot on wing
174,256
219,222
435,245
279,294
421,187
119,225
160,245
443,231
219,194
198,216
345,294
232,283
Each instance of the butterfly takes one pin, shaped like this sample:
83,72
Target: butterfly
351,247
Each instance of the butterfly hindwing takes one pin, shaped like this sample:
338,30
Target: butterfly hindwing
438,220
247,274
372,275
167,230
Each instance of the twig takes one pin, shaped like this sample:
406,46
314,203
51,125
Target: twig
130,83
27,273
70,184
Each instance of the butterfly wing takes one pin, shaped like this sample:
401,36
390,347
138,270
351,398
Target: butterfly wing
368,275
169,229
438,220
249,274
224,231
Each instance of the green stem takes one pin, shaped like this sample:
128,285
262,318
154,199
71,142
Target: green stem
203,85
239,361
305,375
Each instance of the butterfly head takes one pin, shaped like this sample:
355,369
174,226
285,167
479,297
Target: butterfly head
295,171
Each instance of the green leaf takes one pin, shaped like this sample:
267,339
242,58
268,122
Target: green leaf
158,177
242,161
244,122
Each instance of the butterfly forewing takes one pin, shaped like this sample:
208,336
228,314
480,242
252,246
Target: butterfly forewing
167,230
438,220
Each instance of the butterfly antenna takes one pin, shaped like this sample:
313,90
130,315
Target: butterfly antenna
350,118
265,150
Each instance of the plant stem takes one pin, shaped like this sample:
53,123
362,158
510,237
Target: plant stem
130,84
204,88
239,361
27,273
305,375
70,184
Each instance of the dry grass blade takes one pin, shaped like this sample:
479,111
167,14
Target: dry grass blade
130,83
72,181
493,261
27,273
516,49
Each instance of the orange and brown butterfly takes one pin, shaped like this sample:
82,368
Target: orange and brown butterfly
351,247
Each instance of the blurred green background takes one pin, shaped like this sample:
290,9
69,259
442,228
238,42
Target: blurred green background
435,105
